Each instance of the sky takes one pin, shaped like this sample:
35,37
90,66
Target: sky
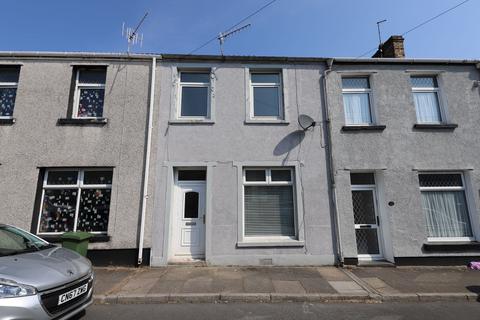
314,28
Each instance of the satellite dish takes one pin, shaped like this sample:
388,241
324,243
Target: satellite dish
305,121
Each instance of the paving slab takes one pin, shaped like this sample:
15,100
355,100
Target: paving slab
198,285
380,286
227,285
167,286
288,286
347,287
317,285
425,279
106,279
332,274
257,284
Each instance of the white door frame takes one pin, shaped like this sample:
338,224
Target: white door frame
377,225
176,219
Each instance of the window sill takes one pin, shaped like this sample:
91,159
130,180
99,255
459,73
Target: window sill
263,122
432,126
7,121
367,128
58,238
191,121
81,122
452,246
278,243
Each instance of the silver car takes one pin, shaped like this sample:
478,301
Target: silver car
39,280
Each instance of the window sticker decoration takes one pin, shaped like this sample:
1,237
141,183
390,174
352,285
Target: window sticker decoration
58,212
7,101
94,210
63,211
91,103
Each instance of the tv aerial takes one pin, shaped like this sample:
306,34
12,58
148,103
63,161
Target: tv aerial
131,34
224,35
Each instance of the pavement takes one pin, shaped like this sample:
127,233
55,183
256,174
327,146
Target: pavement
192,284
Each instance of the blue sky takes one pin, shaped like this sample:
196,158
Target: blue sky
287,28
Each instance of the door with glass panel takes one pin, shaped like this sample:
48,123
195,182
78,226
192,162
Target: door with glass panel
367,231
188,234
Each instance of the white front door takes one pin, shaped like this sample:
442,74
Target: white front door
188,236
367,223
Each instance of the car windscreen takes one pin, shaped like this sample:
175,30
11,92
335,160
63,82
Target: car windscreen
15,241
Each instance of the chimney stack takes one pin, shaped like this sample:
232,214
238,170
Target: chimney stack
392,48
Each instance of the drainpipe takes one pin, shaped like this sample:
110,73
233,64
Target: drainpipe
331,165
147,163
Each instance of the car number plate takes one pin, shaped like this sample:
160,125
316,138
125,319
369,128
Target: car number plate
72,294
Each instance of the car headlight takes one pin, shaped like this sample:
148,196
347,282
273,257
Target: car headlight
12,289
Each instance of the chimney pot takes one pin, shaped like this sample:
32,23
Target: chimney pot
392,48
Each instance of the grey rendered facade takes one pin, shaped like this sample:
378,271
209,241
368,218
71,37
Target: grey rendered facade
230,141
399,152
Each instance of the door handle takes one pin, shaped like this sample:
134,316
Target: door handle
365,226
204,219
378,221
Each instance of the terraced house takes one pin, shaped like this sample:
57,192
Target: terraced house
182,158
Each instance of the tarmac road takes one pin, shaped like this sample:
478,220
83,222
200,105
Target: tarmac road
279,311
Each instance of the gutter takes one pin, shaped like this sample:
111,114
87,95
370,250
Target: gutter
147,163
85,55
403,61
331,165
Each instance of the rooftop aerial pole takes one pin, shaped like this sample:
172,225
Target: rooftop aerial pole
223,35
380,36
132,35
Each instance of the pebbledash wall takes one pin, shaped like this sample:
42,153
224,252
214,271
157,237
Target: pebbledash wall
396,150
229,142
44,136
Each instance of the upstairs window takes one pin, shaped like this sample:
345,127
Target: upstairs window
266,95
425,96
89,93
445,206
8,90
75,200
356,101
194,91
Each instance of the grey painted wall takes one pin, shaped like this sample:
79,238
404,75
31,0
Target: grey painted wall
36,141
229,143
399,152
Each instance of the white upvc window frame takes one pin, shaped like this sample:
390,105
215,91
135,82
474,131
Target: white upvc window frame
79,186
435,90
180,87
9,85
367,91
467,205
76,98
268,182
278,85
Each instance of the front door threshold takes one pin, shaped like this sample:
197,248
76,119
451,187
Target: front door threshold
187,261
375,263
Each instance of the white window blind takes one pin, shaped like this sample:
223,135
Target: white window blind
269,206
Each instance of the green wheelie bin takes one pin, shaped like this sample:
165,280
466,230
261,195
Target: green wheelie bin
76,241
